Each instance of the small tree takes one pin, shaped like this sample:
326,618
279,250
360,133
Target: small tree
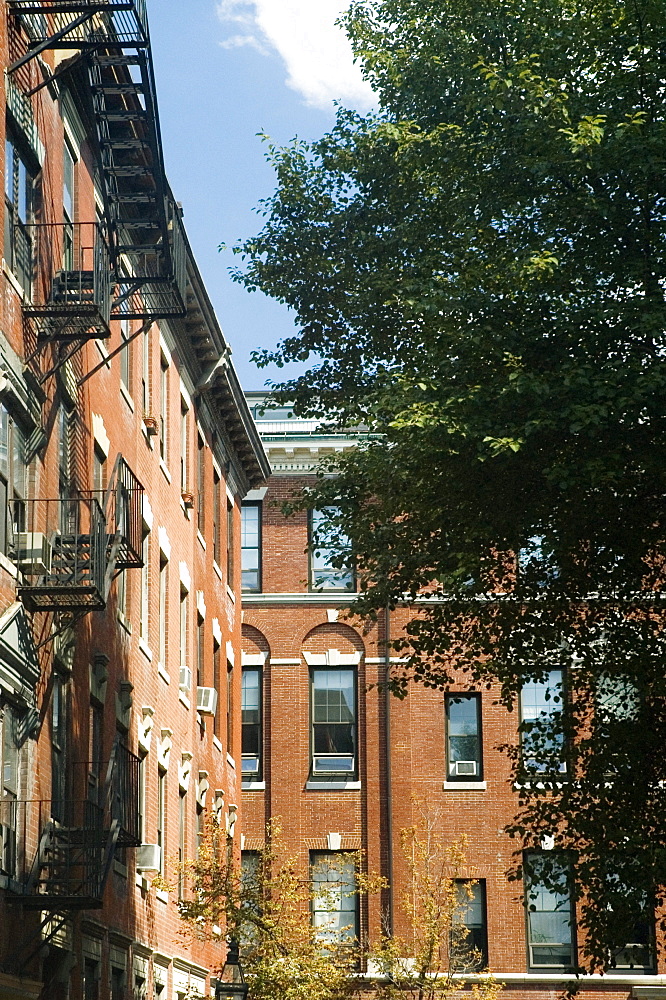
268,908
428,963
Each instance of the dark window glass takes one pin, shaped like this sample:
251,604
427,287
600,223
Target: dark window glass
333,721
469,937
463,737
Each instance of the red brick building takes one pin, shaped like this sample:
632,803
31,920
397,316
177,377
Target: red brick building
347,767
126,447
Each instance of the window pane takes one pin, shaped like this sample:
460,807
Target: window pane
323,538
541,710
463,735
549,914
334,905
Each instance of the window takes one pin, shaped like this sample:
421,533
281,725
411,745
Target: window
217,541
251,723
164,607
118,977
217,684
550,934
68,175
184,434
335,900
183,627
58,746
164,408
630,914
65,451
325,541
145,372
463,737
126,355
95,752
99,472
231,546
10,792
201,484
230,706
201,649
469,937
144,617
90,979
251,547
182,842
121,596
333,721
161,815
542,737
13,480
141,802
19,191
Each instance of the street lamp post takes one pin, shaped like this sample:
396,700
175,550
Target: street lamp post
232,986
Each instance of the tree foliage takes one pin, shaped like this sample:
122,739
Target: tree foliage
477,271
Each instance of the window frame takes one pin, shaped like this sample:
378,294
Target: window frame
347,774
314,553
530,911
319,858
258,773
258,506
556,763
449,698
482,948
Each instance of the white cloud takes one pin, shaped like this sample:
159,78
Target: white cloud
316,53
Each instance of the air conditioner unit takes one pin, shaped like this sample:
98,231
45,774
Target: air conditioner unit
33,553
185,679
206,700
467,767
148,858
250,763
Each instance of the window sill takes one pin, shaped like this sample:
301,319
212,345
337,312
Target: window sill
120,869
162,895
201,540
147,436
217,570
141,882
124,622
231,594
187,511
165,471
163,674
253,786
217,744
231,762
124,392
13,281
183,699
332,786
103,351
8,565
146,650
465,786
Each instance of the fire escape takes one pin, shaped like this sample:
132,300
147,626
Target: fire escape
131,265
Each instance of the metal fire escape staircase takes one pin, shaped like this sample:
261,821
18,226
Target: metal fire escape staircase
69,550
62,852
143,239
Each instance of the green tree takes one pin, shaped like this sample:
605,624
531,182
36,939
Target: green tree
477,273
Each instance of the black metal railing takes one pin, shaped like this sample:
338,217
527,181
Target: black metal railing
57,853
72,280
123,511
60,550
121,22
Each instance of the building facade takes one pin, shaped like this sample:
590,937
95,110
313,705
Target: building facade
347,767
126,447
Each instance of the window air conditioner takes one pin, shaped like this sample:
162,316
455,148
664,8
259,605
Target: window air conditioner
185,679
148,858
206,700
250,763
467,767
33,553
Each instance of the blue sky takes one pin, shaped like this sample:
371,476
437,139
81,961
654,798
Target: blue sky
226,70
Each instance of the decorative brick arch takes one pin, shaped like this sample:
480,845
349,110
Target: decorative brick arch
333,638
